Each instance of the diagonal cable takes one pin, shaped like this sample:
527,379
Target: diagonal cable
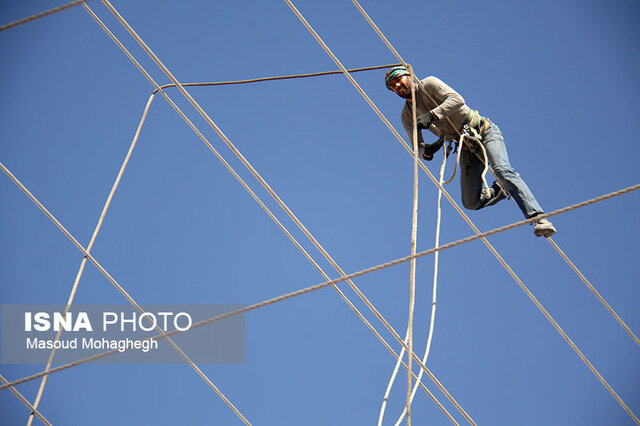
296,293
263,182
257,199
117,286
434,290
76,2
555,246
594,291
233,172
24,400
295,242
520,283
42,14
89,247
248,165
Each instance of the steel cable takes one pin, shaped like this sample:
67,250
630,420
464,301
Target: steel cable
42,14
520,283
291,294
24,400
256,175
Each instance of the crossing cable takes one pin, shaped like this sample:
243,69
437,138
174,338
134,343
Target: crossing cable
42,14
89,247
97,229
315,264
233,172
593,290
507,267
259,178
246,187
520,283
292,238
213,125
24,400
436,257
117,286
296,293
555,246
297,244
106,274
271,214
434,291
47,374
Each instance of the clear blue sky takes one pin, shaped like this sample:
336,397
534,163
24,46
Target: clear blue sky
559,78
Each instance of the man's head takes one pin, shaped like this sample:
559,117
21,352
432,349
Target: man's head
398,80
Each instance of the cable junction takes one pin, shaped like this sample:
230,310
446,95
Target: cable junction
287,295
251,169
407,343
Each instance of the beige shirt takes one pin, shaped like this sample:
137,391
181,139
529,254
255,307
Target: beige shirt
448,103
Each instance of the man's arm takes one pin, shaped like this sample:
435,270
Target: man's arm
426,151
407,123
449,100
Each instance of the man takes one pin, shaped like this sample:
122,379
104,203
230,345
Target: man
437,107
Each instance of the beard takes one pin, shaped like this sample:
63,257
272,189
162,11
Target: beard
406,93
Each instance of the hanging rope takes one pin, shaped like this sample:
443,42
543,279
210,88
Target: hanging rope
285,296
500,259
408,340
455,168
414,237
483,175
554,245
256,175
344,71
434,293
392,380
47,374
89,247
433,309
291,294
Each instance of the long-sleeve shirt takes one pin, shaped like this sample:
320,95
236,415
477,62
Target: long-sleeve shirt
448,103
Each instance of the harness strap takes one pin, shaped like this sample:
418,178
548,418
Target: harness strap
475,124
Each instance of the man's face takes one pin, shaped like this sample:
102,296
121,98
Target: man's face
401,86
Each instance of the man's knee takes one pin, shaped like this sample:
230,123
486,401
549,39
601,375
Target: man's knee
471,203
504,171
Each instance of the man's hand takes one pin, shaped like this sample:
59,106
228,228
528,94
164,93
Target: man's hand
424,121
427,150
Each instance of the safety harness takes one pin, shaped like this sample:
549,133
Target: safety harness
471,133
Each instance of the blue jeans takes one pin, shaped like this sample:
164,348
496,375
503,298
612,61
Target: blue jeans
471,170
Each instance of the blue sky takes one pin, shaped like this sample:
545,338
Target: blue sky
559,78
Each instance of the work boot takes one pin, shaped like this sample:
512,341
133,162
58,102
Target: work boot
543,228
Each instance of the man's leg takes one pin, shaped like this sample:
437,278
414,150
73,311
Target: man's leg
493,142
470,179
471,168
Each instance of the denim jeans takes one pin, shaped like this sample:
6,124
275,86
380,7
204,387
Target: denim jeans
471,170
